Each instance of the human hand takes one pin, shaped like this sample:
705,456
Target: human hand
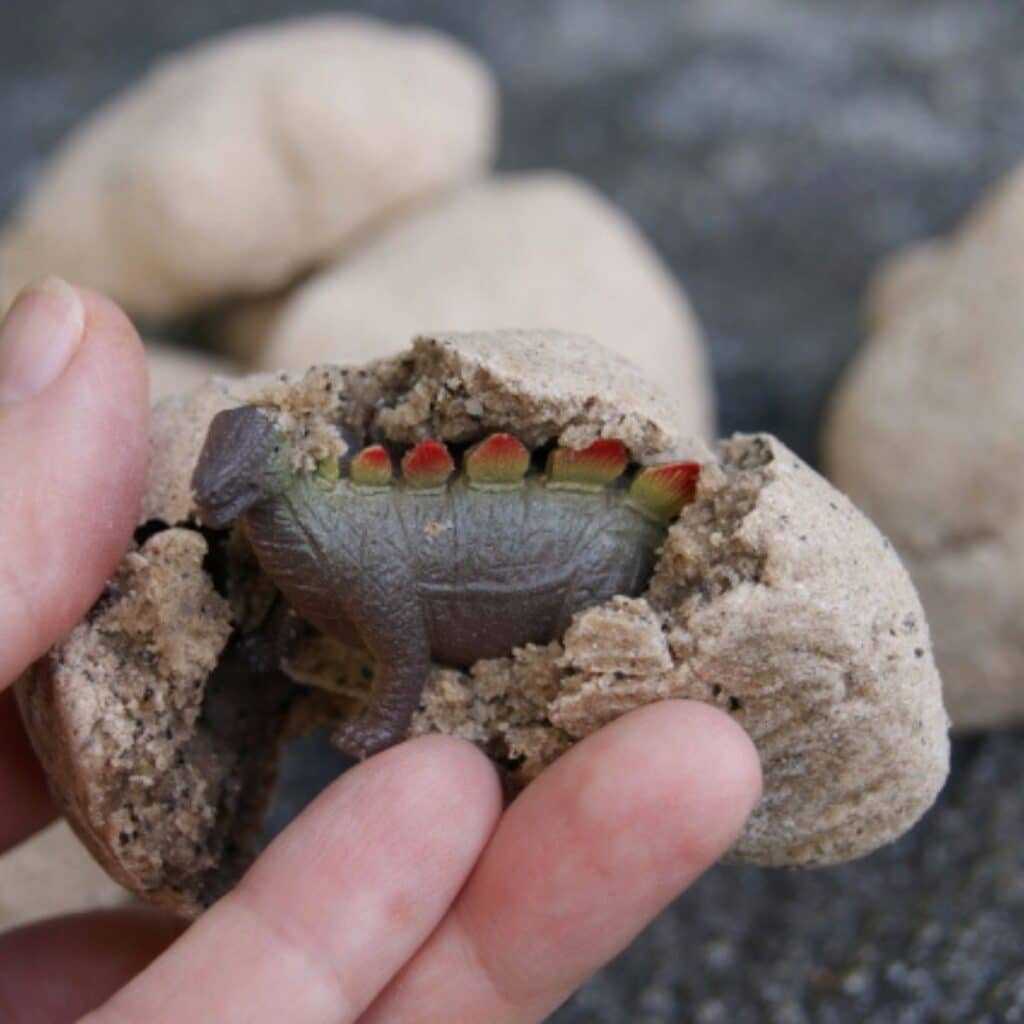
403,893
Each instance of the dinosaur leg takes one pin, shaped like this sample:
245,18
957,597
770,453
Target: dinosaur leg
266,646
402,651
385,721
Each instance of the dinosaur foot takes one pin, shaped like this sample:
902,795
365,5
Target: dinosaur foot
365,736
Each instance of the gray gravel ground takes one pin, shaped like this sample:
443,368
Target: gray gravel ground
774,150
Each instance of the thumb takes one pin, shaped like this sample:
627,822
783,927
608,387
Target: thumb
73,428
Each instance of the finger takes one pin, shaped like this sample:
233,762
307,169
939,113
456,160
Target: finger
54,971
25,805
586,856
337,904
73,411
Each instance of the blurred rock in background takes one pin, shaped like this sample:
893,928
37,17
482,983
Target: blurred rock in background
533,250
926,434
52,873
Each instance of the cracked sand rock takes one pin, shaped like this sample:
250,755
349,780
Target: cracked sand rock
540,248
242,162
926,434
772,598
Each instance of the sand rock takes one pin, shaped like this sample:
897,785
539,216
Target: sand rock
926,434
244,161
174,370
773,598
541,248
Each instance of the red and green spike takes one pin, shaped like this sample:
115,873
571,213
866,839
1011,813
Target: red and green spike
428,465
597,465
662,491
499,459
371,467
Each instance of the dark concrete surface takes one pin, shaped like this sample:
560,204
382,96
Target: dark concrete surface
774,150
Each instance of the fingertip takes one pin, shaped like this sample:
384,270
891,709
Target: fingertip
709,736
113,344
104,317
588,853
445,783
449,764
701,758
680,774
437,792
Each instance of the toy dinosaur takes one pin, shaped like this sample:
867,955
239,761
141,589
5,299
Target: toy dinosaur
437,566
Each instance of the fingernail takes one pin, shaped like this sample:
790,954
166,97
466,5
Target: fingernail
38,338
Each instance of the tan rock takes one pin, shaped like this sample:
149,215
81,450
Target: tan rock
50,874
174,370
926,433
900,279
541,249
238,164
773,598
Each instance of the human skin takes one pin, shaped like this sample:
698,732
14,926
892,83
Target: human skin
403,893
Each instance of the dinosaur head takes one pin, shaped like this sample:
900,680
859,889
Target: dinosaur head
244,461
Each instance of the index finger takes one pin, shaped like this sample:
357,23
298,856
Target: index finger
338,902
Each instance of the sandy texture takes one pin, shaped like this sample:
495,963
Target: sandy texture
773,598
542,249
901,279
926,434
241,162
52,873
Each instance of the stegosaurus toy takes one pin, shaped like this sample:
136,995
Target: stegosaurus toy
437,566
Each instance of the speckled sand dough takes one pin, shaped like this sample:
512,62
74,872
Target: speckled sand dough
926,434
245,160
773,598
